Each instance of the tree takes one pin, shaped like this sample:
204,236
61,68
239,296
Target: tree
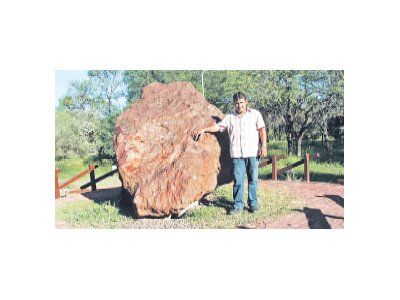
218,86
80,96
295,99
76,133
136,80
90,108
109,86
221,85
262,93
292,102
332,106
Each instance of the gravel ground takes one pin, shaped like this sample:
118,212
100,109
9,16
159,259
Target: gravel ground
141,224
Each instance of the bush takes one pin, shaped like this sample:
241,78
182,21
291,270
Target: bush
76,133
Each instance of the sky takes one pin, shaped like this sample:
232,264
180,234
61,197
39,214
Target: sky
63,79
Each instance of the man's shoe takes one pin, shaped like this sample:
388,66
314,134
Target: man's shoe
235,211
253,210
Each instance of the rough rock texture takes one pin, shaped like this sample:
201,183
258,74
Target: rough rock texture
162,169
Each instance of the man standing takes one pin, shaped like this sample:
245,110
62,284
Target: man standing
246,128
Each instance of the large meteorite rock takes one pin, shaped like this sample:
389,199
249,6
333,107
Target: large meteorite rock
162,169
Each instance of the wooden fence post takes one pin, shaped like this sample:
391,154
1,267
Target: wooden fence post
307,168
92,178
274,168
57,184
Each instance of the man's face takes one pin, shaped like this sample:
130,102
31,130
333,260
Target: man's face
241,106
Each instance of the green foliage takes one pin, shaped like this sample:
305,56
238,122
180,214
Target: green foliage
109,87
219,86
136,80
85,117
335,127
296,105
76,133
80,96
223,84
105,144
300,101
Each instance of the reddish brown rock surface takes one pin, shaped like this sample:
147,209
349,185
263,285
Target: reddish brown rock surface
162,169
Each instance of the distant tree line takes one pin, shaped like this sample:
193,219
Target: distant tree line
296,105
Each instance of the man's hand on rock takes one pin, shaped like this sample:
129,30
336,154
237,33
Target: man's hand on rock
196,135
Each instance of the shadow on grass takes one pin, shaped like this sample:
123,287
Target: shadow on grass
221,202
113,197
265,176
243,227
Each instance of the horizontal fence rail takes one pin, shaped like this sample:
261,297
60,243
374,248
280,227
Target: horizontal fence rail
292,166
77,176
269,160
99,178
91,183
274,161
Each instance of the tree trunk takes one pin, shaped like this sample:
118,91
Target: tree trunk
289,145
326,135
298,145
323,128
289,137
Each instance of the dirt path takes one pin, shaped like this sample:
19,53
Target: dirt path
321,205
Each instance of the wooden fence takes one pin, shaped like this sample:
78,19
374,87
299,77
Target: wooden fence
91,183
274,161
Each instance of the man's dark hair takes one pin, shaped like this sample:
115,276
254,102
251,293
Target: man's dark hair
239,95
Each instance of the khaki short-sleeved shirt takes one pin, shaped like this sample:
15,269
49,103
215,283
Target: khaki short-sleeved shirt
243,132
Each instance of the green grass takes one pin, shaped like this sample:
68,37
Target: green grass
89,214
336,155
214,213
211,214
